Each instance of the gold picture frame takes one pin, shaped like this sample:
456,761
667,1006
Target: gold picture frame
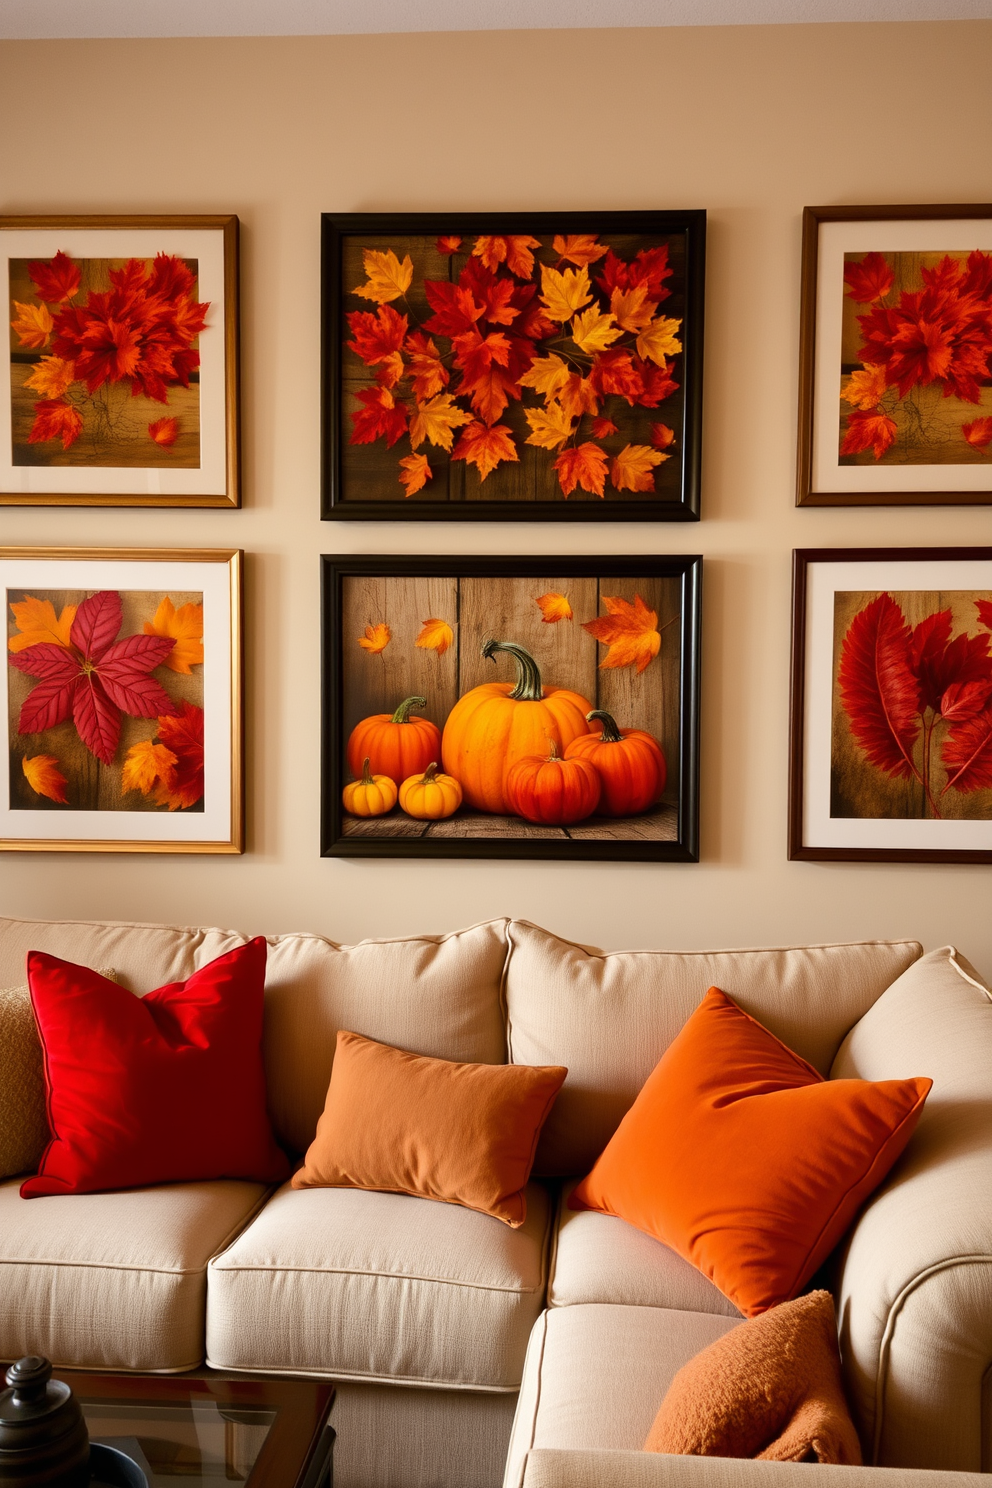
123,699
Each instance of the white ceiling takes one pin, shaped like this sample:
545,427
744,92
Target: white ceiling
25,19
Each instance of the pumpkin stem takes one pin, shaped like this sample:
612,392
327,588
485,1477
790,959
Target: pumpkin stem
528,687
428,776
554,751
366,772
402,714
611,734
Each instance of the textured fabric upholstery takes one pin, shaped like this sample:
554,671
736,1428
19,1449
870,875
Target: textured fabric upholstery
595,1375
352,1284
144,956
598,1258
430,994
914,1290
419,1438
547,1468
114,1280
611,1017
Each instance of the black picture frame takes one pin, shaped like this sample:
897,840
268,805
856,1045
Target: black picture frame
480,595
466,497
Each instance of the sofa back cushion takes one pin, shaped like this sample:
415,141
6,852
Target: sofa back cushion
440,995
143,956
610,1017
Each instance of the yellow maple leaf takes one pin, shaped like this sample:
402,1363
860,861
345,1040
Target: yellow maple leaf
436,635
550,426
185,627
35,619
388,279
375,639
593,330
145,764
564,293
629,630
33,325
657,342
44,777
436,420
632,308
633,468
553,607
865,387
579,248
414,473
545,375
51,377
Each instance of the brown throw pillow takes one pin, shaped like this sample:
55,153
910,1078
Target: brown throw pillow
24,1132
406,1123
770,1388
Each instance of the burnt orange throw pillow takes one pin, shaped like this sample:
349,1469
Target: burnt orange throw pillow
741,1157
406,1123
769,1388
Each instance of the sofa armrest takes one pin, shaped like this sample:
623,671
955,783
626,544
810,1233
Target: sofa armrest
914,1284
547,1468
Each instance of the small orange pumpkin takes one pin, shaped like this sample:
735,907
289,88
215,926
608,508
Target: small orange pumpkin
430,797
629,762
551,790
372,795
396,744
498,723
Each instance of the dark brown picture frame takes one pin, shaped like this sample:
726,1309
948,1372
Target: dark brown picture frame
823,628
368,489
902,491
669,833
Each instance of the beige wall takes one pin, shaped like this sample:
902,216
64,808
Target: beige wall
751,123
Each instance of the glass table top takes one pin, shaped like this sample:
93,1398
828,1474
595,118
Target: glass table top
198,1441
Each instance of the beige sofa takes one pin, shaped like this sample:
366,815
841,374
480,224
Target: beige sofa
464,1350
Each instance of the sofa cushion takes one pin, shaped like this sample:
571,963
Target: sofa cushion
432,994
144,956
114,1280
359,1285
598,1258
611,1016
596,1375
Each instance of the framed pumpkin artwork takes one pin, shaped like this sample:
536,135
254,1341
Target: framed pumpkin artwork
511,707
892,705
120,387
895,394
122,696
496,366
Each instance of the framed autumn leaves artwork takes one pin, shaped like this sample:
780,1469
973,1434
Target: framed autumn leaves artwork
892,705
508,367
120,387
895,403
511,707
121,693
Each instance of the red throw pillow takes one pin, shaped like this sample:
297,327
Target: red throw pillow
164,1088
741,1157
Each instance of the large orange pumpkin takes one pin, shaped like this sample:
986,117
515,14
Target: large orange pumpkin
553,791
396,744
498,723
629,762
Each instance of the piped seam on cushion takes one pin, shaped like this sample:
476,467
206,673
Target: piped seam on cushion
543,1322
413,1382
888,1333
239,1226
339,945
953,958
553,1256
274,1267
825,945
73,1265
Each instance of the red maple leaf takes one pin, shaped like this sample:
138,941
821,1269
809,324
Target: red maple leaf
967,753
494,294
940,333
878,688
584,466
948,672
656,383
376,336
182,733
455,308
984,608
96,677
448,244
602,428
56,419
55,280
649,268
613,372
868,430
979,432
382,417
869,280
533,322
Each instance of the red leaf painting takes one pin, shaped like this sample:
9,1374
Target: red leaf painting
879,689
967,753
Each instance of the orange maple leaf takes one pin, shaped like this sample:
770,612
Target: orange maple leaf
578,396
657,341
662,436
389,370
56,420
869,430
549,427
632,308
978,433
629,630
553,607
437,421
866,386
633,468
375,639
426,368
602,428
145,765
593,331
415,472
513,250
387,278
185,627
44,777
35,619
579,248
435,635
33,325
164,431
448,244
485,448
546,375
585,467
564,293
51,377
